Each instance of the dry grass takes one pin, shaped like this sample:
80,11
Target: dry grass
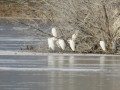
95,20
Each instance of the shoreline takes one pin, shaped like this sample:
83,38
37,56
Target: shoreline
54,54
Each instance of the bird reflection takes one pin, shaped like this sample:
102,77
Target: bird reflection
51,61
57,77
71,61
71,74
102,62
101,75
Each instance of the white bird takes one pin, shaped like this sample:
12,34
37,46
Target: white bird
54,32
74,36
62,44
72,44
51,44
102,44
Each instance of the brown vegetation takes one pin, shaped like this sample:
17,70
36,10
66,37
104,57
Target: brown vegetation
95,20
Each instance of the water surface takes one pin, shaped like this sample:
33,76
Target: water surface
15,38
56,72
53,72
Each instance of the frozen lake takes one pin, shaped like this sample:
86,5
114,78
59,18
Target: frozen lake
52,72
59,72
15,38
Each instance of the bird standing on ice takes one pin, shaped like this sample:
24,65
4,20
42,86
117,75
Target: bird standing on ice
61,44
72,44
74,36
54,32
52,40
102,44
51,44
72,40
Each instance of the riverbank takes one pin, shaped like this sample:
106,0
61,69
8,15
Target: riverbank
45,54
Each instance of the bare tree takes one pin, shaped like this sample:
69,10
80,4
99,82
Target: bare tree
94,19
